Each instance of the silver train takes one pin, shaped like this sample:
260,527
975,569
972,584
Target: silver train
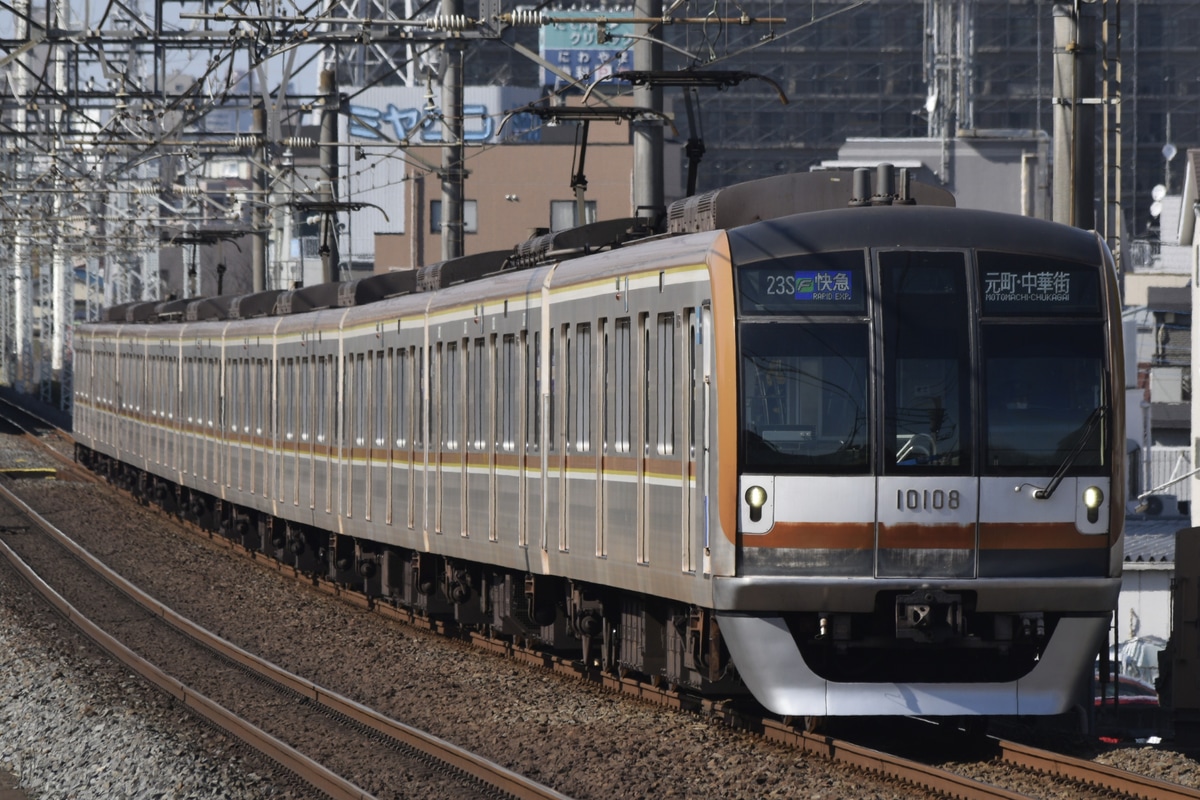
860,453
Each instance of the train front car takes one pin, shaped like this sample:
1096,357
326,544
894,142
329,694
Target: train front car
929,432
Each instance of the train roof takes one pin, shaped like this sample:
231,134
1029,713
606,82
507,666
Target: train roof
727,208
849,229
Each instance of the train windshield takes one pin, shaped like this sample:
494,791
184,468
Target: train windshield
1042,384
997,370
804,399
1042,344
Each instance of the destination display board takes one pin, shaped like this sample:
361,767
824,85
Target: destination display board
813,284
1016,285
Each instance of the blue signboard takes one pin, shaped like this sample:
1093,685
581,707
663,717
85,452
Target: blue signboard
573,47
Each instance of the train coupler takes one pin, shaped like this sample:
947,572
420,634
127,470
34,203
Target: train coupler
930,615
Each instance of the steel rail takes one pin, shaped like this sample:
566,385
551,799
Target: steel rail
1045,762
444,752
1101,776
299,764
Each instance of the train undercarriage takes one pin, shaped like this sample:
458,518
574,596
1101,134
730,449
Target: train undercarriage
663,642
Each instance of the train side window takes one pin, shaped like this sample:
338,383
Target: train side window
306,399
479,390
552,427
451,396
581,391
232,392
420,365
321,395
506,394
604,360
262,397
214,393
533,406
401,390
360,400
644,385
665,383
190,399
622,396
380,398
289,396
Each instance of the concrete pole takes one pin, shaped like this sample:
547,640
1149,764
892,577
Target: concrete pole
648,134
258,203
1074,120
59,285
327,185
22,305
453,176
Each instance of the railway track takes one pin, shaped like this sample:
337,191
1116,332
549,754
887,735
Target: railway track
340,747
1061,776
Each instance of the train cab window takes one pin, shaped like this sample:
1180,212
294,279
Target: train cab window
804,397
926,349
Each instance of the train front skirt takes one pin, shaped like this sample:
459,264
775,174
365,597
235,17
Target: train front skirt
773,669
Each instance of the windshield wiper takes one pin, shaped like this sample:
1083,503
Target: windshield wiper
1092,421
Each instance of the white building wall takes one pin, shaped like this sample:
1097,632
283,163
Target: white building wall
1144,607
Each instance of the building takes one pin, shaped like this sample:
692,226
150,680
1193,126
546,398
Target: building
870,71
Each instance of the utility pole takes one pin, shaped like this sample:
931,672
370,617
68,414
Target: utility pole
648,133
327,188
1074,114
452,152
258,206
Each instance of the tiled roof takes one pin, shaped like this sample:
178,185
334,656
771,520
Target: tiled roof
1152,540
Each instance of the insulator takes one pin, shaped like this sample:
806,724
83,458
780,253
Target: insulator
449,22
299,141
526,17
245,141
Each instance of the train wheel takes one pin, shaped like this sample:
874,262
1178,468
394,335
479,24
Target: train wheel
815,724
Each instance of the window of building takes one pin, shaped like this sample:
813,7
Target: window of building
470,216
563,214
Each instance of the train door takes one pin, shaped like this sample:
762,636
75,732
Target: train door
229,419
641,443
479,474
356,410
619,499
928,498
421,424
581,479
532,472
325,433
403,474
695,465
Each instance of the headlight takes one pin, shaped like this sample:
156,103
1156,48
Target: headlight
1093,498
756,498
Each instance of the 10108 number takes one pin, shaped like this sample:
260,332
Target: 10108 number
927,499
